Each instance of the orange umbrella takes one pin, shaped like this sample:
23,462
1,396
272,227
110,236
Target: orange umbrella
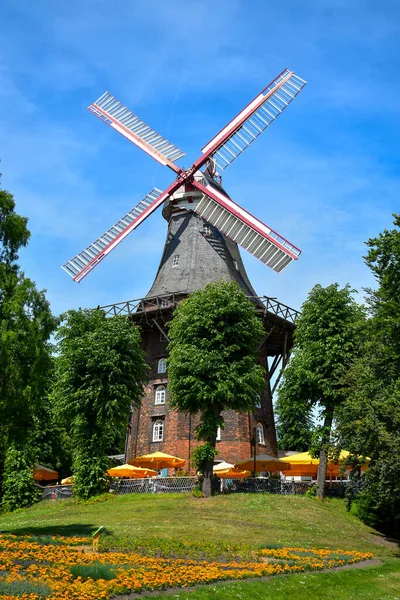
232,473
157,460
263,462
42,473
130,472
227,471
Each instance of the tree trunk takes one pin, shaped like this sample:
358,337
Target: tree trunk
207,478
208,465
323,455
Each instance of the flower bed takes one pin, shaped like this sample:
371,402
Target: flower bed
66,568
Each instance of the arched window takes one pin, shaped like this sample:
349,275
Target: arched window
162,365
260,434
219,434
160,394
158,431
258,401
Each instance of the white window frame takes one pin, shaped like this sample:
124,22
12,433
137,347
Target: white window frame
258,401
218,438
161,393
206,229
260,434
162,366
175,260
158,431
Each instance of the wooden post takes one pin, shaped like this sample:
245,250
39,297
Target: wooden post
95,539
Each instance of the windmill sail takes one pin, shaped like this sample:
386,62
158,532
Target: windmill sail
254,119
111,111
84,262
244,229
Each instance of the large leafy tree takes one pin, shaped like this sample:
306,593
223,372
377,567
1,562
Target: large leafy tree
26,324
100,373
369,422
212,363
326,342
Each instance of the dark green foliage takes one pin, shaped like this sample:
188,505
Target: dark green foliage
327,339
370,418
94,571
100,373
18,589
175,548
294,426
20,490
26,324
213,364
202,454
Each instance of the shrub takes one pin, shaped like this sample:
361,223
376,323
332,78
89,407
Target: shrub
94,571
19,489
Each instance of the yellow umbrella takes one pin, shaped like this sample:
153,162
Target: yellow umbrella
68,480
263,462
232,473
157,460
304,464
130,471
42,473
303,458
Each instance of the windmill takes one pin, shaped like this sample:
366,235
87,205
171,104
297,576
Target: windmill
196,189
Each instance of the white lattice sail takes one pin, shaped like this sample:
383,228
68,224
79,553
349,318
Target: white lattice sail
79,266
254,119
244,229
120,118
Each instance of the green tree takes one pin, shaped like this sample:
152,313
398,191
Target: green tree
100,373
369,423
295,422
26,324
20,490
212,363
326,342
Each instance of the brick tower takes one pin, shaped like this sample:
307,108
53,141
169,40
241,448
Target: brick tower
195,254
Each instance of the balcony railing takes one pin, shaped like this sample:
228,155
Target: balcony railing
169,301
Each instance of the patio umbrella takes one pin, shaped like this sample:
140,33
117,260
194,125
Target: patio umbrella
263,462
157,460
222,466
42,473
130,472
68,480
232,473
304,464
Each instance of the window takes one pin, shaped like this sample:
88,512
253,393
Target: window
219,434
162,365
236,265
158,431
175,260
260,434
160,395
206,229
258,401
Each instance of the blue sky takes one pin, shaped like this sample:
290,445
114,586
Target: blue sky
325,175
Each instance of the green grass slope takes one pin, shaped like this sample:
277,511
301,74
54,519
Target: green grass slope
240,519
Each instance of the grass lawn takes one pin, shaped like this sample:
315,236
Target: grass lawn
380,582
239,519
